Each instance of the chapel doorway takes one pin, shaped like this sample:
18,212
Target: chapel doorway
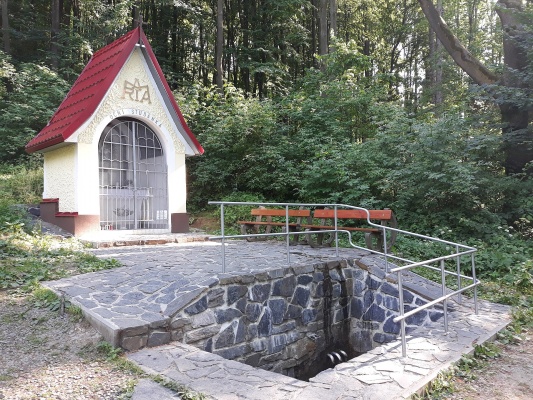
133,178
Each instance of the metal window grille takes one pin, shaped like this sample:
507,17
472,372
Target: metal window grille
133,178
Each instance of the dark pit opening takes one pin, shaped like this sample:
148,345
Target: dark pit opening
324,360
334,346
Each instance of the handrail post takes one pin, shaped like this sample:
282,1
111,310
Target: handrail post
287,234
402,322
445,302
459,296
222,234
385,250
474,280
336,234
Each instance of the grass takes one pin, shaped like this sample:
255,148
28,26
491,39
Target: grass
182,391
29,258
466,368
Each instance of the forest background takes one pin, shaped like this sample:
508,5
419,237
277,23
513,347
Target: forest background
337,101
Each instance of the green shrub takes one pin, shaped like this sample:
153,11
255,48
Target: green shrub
232,214
21,185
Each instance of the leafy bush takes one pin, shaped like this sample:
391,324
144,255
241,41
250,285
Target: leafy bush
20,184
26,103
232,214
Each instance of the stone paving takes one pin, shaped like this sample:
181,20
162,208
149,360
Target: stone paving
155,281
381,373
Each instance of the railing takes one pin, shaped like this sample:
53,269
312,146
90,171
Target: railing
460,251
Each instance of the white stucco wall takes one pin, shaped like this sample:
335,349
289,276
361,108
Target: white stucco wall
60,177
87,192
177,188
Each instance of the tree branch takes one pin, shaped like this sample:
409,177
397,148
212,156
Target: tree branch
468,63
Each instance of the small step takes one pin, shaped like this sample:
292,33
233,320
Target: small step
105,239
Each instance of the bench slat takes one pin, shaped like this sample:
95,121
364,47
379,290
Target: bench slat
269,212
328,227
266,223
346,228
353,214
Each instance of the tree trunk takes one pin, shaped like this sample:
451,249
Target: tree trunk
462,57
135,17
219,45
245,70
323,27
517,138
57,6
5,27
517,131
437,60
333,17
313,28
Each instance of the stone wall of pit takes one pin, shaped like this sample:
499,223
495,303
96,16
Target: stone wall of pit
285,319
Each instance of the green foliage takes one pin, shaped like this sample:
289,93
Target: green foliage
31,258
184,392
20,184
108,351
244,149
293,149
503,255
522,319
232,214
468,365
25,106
438,388
45,298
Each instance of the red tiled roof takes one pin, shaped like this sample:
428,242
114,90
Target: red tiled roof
92,85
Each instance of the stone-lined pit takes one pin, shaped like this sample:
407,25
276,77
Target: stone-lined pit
142,304
286,320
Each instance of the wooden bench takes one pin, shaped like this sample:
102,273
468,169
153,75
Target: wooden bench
373,236
254,227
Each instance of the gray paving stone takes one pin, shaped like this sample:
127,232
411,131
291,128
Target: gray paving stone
127,310
149,390
417,370
182,300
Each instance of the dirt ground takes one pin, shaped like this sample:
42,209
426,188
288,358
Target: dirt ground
44,355
509,377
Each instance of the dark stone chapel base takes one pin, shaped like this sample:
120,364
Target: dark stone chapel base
179,222
69,221
79,225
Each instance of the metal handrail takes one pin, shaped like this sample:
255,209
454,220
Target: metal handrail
460,250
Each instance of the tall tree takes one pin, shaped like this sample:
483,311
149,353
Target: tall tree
333,17
516,115
219,44
323,27
435,64
57,7
5,27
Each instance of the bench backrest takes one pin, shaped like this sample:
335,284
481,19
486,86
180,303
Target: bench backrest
354,214
270,212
